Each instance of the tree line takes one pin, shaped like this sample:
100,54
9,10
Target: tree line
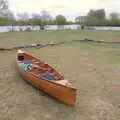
93,18
44,18
98,18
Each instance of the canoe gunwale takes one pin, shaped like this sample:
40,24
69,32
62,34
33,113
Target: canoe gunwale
40,84
51,81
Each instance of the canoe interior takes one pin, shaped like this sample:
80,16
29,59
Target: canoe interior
45,77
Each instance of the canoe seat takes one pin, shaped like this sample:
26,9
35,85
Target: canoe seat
28,61
46,76
64,82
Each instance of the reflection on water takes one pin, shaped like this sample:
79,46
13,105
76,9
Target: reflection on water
54,27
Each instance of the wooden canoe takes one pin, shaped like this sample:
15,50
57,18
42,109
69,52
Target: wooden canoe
45,78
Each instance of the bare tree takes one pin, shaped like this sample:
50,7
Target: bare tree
100,13
23,16
36,20
45,17
36,16
80,19
3,8
114,16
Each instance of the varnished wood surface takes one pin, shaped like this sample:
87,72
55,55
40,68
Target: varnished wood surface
63,93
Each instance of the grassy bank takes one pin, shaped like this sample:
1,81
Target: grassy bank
94,69
20,38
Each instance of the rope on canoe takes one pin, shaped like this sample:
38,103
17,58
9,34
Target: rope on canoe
55,44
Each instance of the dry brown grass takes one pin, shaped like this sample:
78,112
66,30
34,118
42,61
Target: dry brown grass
94,69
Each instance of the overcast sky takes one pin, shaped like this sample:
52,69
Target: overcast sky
70,8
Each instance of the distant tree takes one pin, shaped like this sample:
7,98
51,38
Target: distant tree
46,18
80,20
96,18
114,19
61,20
70,22
23,16
10,15
100,13
92,21
6,16
114,16
3,8
36,20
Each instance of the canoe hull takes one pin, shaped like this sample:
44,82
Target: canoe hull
61,92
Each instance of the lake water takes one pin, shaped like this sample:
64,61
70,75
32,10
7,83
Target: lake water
54,27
